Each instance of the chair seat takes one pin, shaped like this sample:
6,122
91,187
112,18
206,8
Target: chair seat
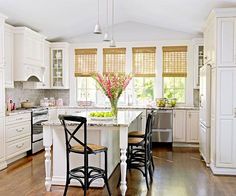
95,148
134,141
136,134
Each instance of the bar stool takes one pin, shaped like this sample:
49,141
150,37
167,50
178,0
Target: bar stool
84,174
139,152
141,134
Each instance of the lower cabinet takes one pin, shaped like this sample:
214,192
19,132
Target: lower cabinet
186,126
179,125
1,138
18,135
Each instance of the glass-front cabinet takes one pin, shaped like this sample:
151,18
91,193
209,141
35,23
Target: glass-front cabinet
198,50
59,66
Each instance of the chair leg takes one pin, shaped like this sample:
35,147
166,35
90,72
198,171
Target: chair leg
106,176
150,172
146,176
66,186
153,166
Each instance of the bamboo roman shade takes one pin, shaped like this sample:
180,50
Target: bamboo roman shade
144,61
85,62
114,60
175,61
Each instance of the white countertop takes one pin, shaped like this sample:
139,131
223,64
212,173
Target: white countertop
124,118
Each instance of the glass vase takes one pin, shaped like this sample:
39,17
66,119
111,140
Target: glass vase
114,108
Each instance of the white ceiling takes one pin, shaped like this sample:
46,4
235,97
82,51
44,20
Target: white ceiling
66,19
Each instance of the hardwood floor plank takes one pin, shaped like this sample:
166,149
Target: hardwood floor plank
178,172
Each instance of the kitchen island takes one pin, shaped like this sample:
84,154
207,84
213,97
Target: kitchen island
111,133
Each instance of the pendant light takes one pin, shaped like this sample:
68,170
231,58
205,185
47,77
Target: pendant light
106,34
97,28
112,42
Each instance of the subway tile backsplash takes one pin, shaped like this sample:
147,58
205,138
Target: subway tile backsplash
19,94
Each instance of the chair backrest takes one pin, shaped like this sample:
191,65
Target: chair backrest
70,135
148,130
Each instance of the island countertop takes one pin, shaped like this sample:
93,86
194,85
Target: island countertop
124,118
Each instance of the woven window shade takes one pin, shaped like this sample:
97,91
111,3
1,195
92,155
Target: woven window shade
114,60
175,61
85,62
144,62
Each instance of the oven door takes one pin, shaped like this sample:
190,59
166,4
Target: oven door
37,137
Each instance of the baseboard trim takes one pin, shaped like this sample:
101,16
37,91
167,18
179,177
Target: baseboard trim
180,144
13,159
3,165
222,171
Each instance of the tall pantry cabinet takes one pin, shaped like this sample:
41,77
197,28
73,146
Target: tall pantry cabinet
220,53
2,94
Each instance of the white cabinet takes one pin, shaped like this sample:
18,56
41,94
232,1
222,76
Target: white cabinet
46,77
192,126
18,135
1,138
186,126
2,23
198,60
179,125
28,54
226,118
59,65
9,48
2,93
226,52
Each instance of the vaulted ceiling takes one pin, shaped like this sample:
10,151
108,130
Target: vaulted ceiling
66,19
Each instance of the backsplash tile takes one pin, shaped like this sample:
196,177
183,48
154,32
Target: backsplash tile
196,97
19,94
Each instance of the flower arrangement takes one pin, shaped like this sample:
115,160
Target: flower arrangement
113,85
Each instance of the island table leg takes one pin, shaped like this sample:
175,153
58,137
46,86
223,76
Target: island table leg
47,142
123,158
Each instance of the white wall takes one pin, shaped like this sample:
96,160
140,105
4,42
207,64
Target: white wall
128,46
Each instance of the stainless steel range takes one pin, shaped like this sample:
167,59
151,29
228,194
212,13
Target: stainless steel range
39,115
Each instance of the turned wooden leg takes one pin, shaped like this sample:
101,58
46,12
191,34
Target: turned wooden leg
47,142
123,158
48,178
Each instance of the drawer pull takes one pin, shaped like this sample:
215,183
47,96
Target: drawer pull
20,146
19,130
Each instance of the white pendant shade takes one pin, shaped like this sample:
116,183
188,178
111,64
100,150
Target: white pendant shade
97,29
112,43
106,37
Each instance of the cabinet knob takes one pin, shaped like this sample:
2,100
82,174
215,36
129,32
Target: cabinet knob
234,112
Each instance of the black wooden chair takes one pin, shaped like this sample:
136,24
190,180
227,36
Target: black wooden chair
84,174
141,134
139,152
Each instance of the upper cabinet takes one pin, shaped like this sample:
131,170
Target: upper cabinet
2,23
226,32
9,48
198,60
60,65
28,54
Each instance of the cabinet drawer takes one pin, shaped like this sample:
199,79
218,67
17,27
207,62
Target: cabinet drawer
1,149
18,118
15,148
17,131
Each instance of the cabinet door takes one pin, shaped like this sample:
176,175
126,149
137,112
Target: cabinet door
179,125
226,42
1,44
2,93
192,126
8,57
1,138
226,118
46,82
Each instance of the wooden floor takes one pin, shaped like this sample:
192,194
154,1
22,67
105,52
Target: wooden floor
178,172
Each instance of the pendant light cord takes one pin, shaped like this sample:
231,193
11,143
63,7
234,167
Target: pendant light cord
107,15
113,18
98,11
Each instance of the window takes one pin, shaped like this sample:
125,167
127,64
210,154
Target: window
143,89
85,66
144,66
174,87
175,72
114,60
